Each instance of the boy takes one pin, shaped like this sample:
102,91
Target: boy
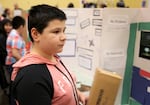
15,44
40,77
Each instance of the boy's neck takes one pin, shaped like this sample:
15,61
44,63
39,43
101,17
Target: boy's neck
19,32
49,57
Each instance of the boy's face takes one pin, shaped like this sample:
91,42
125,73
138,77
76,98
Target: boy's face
52,39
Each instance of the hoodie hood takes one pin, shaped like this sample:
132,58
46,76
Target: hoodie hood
28,60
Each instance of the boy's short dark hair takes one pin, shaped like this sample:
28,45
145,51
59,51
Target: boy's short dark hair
18,21
40,15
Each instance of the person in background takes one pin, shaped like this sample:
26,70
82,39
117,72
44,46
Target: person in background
16,7
15,46
40,77
7,13
70,5
143,4
15,43
90,5
103,5
120,4
5,28
17,10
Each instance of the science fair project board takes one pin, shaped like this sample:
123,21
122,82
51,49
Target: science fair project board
83,32
97,38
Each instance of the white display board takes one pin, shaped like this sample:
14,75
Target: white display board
115,37
101,37
85,27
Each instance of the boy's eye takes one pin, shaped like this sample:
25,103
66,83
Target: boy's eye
56,32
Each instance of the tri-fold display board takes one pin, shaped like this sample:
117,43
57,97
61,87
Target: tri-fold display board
113,39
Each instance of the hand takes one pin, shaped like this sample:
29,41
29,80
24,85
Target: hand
82,98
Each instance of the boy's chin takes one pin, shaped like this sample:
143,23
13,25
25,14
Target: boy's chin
60,51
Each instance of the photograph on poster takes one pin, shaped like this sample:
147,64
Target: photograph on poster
85,23
145,45
69,49
85,52
97,22
85,62
98,32
96,12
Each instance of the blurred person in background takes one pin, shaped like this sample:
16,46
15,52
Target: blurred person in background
70,5
120,4
7,13
5,28
15,45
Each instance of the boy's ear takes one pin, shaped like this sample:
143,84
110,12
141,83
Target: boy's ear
35,34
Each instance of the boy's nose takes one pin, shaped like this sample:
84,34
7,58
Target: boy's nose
63,36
